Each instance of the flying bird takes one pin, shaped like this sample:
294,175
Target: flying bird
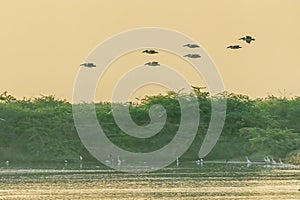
153,63
192,55
192,45
151,51
234,47
89,65
247,39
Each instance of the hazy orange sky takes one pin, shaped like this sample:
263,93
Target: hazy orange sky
43,42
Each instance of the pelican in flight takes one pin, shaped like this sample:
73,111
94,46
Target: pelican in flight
192,45
153,63
89,65
151,51
192,55
234,47
247,39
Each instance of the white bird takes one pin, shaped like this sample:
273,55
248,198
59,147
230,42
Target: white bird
273,161
80,158
119,161
177,161
2,119
199,162
7,163
110,159
66,162
280,162
267,160
248,161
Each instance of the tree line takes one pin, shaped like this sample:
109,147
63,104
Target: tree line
42,128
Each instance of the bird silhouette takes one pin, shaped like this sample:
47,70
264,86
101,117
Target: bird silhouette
151,51
153,63
192,55
247,39
234,47
192,45
89,65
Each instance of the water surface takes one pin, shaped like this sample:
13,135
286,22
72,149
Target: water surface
187,181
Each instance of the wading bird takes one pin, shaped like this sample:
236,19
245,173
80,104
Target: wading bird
248,161
153,63
192,55
7,163
234,47
89,65
280,162
267,160
273,161
199,162
192,45
247,39
151,51
119,161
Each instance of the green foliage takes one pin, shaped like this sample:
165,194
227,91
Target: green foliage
42,129
276,142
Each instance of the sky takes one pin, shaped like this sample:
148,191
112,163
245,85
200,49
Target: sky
44,42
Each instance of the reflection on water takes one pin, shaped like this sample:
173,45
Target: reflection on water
187,181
